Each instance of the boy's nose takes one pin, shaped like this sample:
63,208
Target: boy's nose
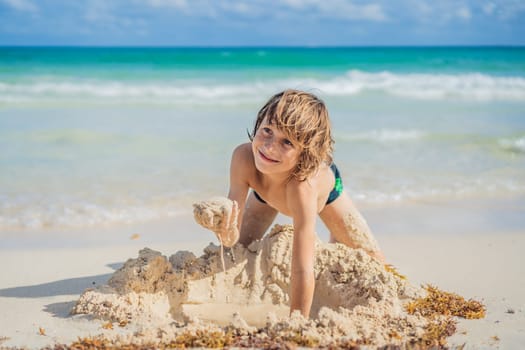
268,143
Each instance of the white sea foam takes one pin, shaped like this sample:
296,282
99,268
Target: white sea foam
516,145
57,214
385,136
458,190
472,86
32,213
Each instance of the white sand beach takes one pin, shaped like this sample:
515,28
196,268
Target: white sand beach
41,279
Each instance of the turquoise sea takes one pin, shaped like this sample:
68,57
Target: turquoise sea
110,136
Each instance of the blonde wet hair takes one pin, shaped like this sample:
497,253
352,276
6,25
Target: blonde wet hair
303,118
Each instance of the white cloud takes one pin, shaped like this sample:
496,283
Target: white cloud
443,11
339,9
297,3
464,13
488,8
21,5
180,4
98,11
510,9
103,14
191,8
370,12
421,8
439,13
241,8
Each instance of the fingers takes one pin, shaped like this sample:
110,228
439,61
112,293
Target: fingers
234,215
229,216
229,228
219,216
202,216
226,218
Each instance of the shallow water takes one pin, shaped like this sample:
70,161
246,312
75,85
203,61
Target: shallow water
116,136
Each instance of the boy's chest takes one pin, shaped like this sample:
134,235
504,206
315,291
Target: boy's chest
277,197
274,197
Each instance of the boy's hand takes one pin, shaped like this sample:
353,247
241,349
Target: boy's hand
220,216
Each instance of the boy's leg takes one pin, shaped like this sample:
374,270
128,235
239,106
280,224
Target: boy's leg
347,226
257,217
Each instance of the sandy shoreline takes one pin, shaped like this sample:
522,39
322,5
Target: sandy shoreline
39,285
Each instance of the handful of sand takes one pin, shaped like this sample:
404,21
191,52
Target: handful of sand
220,216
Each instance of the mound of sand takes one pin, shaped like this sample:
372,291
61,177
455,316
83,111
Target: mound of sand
355,296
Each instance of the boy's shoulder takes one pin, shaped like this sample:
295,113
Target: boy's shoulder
243,151
243,156
242,162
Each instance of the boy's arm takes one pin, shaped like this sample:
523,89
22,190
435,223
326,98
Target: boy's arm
223,216
239,186
302,201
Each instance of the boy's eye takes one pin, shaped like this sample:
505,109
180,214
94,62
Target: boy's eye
267,130
288,143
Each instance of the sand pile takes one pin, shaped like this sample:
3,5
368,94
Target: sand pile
355,297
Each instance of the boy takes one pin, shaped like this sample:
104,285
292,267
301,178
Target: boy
288,165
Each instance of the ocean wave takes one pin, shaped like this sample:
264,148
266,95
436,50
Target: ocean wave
472,86
115,89
385,136
458,190
514,145
43,213
51,213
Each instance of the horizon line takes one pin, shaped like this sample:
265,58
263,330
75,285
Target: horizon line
265,46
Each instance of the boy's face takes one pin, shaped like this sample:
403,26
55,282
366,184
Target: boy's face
273,151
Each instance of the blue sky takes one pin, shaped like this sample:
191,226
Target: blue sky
262,22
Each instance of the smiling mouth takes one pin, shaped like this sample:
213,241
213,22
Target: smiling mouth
264,157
